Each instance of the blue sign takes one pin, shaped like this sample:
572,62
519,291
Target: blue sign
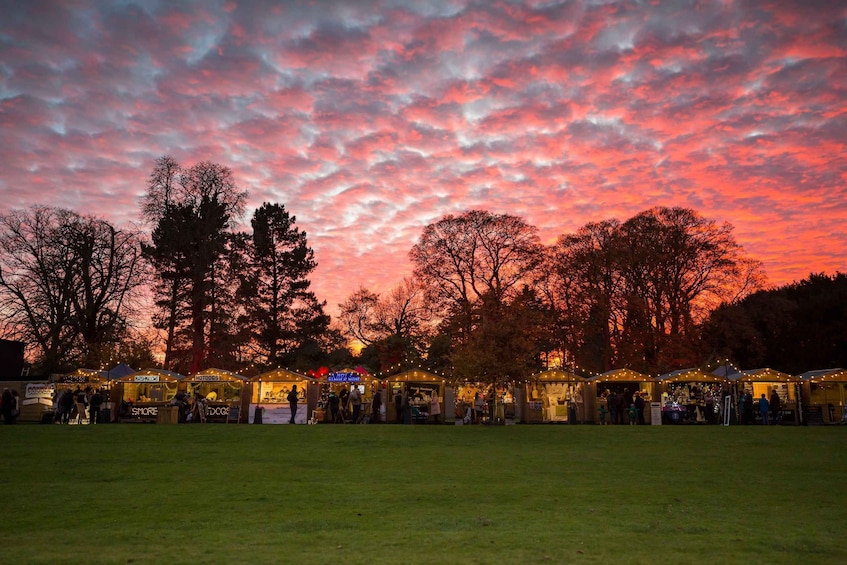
344,378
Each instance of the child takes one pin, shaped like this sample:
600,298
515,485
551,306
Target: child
602,411
633,414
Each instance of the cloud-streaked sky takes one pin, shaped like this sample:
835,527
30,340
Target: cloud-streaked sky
370,120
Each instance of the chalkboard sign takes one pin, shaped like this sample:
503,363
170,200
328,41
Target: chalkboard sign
234,412
814,415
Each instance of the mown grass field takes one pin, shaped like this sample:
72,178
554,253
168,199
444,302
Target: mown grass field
422,494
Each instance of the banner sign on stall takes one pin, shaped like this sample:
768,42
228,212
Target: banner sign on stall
344,378
146,378
40,390
207,378
144,411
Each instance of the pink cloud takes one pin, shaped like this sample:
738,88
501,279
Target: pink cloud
369,121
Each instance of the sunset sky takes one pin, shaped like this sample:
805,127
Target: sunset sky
370,120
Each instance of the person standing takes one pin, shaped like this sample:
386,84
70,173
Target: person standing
333,407
356,402
94,403
478,405
776,410
344,395
764,409
614,407
292,403
7,405
81,403
435,407
639,407
65,403
376,406
398,406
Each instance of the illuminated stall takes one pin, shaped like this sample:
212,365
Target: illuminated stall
555,396
337,381
270,395
221,392
824,394
691,395
422,386
82,380
624,383
765,381
144,394
499,401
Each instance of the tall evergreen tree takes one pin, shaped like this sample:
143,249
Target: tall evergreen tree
279,309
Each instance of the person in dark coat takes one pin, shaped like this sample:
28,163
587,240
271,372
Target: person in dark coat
376,406
613,400
747,409
292,403
65,404
398,406
333,406
8,403
639,407
776,410
94,404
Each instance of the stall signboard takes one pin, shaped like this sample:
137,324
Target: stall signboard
207,378
217,411
145,379
144,411
40,390
344,378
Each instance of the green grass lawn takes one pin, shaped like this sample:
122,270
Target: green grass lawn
422,494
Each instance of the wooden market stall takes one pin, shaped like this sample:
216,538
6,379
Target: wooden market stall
341,381
625,384
556,396
270,397
767,380
421,386
221,393
692,395
501,401
147,396
824,395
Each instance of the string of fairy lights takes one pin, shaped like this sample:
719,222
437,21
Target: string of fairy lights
721,368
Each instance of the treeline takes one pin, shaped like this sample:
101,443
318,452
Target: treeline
663,290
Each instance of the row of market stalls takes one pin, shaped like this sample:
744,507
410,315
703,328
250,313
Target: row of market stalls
554,396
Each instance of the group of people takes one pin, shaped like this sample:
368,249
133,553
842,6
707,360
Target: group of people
483,408
10,405
346,406
622,408
78,405
407,406
770,411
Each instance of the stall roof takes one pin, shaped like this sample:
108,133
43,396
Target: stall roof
556,375
164,376
281,375
620,375
215,375
118,371
765,375
728,372
692,375
820,375
417,375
